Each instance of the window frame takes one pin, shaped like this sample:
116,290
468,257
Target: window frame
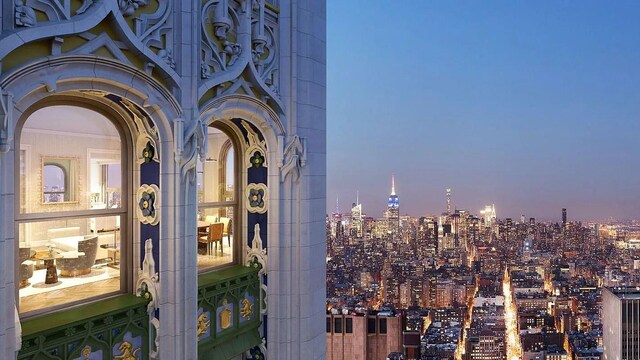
64,193
233,142
120,123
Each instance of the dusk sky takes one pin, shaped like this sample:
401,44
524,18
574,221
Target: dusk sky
533,106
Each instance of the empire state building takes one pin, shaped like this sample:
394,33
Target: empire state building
393,210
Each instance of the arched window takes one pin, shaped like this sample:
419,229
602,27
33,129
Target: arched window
54,187
71,219
217,203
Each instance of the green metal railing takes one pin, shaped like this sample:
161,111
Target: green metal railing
228,312
108,329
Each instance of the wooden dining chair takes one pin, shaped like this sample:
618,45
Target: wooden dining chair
213,237
226,222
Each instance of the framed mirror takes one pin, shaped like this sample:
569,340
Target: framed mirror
59,180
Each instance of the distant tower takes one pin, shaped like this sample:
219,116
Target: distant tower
448,201
356,218
564,217
393,210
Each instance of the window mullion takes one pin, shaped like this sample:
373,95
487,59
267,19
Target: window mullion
69,214
217,204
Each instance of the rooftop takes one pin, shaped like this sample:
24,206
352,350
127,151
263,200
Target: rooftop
626,292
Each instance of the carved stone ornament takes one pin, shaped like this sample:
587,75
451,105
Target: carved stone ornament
24,15
221,21
258,352
129,7
148,286
146,150
255,157
167,57
148,209
257,197
6,111
256,254
295,157
83,8
257,258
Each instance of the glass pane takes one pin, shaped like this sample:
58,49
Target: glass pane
23,181
215,239
65,261
337,326
69,161
216,173
54,178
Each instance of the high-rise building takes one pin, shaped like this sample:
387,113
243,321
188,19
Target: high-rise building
363,336
564,217
488,345
356,219
393,210
621,323
489,215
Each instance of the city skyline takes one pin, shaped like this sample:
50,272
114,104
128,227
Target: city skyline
531,106
345,205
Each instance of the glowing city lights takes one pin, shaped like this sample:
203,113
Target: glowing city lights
514,349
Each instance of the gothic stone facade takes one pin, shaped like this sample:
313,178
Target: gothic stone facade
169,70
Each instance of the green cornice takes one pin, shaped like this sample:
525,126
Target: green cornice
79,314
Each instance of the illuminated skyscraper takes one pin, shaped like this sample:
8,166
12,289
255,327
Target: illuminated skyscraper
489,215
564,217
393,210
356,218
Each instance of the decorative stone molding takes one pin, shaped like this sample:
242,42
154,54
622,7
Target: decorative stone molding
240,46
221,20
167,56
256,254
295,157
146,150
148,209
148,287
24,15
259,352
189,144
6,120
84,7
257,257
129,7
256,157
18,328
257,196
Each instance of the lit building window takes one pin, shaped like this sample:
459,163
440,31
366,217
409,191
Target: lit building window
70,221
217,202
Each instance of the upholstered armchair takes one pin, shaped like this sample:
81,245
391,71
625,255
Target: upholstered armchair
26,265
75,263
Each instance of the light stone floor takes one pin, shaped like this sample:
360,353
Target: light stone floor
102,280
38,295
215,258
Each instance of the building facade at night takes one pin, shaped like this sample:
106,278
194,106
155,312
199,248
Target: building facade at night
162,179
620,323
393,210
363,336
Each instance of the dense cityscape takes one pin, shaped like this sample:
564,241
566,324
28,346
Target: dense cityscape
467,285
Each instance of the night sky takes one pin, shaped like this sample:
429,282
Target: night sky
533,106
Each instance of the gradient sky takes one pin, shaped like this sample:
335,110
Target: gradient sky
533,106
